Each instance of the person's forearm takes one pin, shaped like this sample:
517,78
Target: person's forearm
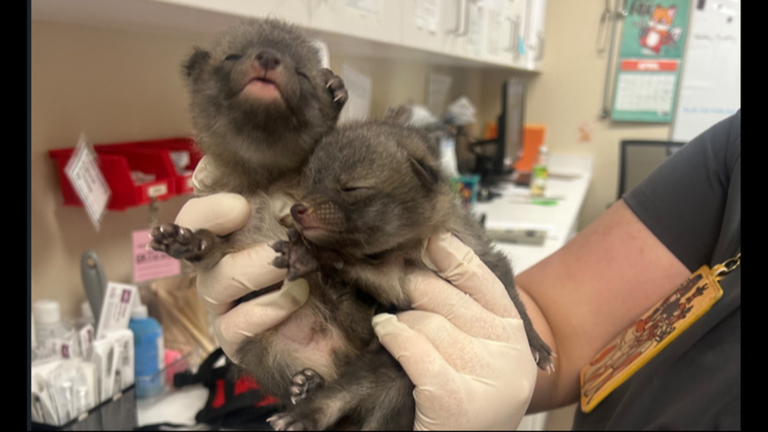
584,294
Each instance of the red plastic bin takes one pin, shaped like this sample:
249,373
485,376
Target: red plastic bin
182,182
116,166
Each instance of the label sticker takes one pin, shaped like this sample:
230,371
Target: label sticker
116,310
157,190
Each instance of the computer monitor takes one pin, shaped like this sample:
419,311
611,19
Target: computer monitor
494,157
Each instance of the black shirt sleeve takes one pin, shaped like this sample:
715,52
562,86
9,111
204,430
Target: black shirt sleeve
683,201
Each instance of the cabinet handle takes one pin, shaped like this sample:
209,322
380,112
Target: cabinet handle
514,36
459,28
465,18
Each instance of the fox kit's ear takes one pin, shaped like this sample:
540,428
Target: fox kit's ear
195,64
425,170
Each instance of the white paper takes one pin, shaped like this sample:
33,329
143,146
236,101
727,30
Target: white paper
645,92
475,28
359,95
87,180
495,24
710,84
437,93
369,7
116,310
534,31
427,15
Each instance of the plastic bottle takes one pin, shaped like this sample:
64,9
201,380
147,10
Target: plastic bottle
51,333
149,352
540,173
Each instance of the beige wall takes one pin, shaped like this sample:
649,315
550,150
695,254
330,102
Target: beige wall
120,85
569,91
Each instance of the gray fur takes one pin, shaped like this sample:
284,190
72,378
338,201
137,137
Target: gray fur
257,148
375,194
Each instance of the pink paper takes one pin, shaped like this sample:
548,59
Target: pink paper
149,264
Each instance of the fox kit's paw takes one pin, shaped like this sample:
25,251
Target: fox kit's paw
285,421
304,383
178,242
543,354
294,256
335,85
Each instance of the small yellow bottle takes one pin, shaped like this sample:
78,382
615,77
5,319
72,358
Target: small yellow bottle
540,173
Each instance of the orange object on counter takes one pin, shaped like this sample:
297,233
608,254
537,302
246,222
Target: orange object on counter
491,131
533,138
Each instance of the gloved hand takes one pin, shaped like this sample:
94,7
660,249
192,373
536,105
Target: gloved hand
239,273
464,346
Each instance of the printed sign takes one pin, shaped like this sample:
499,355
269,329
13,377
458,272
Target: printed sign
149,264
653,38
83,172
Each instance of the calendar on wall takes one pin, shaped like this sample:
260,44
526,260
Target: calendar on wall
648,72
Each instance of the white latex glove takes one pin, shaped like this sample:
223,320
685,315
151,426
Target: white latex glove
464,346
239,273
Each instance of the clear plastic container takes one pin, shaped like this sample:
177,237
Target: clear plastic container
540,173
51,333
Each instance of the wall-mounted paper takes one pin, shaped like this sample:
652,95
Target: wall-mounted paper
710,86
359,92
149,264
369,7
437,93
475,34
427,15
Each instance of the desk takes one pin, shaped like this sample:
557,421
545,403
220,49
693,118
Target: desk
180,406
561,218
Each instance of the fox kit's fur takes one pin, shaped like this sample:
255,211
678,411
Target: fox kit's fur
374,195
260,102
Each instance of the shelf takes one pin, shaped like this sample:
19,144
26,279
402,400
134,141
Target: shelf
118,161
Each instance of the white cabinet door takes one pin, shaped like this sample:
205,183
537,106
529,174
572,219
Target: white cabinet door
534,33
502,35
426,23
455,17
379,20
516,21
295,11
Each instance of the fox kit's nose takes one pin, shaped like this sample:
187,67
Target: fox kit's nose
298,211
268,59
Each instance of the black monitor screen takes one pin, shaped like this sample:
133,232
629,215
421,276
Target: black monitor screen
513,112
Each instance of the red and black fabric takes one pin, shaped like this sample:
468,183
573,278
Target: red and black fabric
232,403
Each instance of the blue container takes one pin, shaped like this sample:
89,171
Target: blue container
149,353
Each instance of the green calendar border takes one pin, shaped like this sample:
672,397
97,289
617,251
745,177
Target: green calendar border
637,15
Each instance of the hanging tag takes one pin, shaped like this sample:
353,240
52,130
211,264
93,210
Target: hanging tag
651,333
83,172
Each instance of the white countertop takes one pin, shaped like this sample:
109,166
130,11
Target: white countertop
561,219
